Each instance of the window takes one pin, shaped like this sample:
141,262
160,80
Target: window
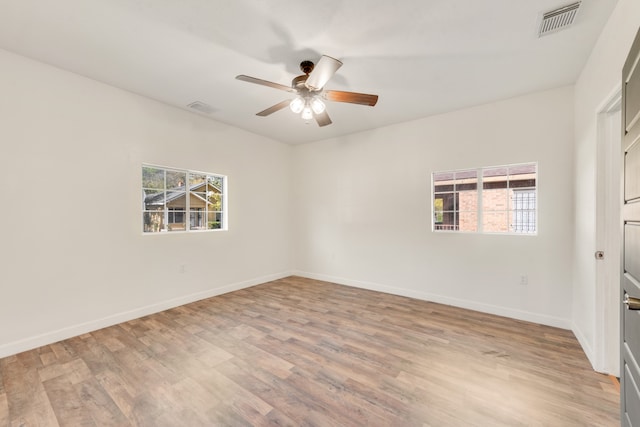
169,194
500,199
455,200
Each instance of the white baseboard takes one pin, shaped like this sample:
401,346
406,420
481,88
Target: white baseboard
527,316
586,347
46,338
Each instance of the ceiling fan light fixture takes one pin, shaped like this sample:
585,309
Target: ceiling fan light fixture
297,105
309,93
317,105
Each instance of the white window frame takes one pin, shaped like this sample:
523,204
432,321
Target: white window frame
479,203
186,212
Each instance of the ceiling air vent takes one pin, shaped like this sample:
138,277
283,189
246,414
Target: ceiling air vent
558,19
201,107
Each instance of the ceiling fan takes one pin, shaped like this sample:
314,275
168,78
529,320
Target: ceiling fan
309,90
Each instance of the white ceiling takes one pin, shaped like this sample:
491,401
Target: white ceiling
422,57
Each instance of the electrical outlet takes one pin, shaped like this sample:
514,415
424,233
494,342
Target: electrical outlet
524,279
183,268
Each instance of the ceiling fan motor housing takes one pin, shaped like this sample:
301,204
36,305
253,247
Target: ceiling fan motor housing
307,67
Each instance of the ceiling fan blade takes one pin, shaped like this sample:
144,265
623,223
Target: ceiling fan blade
279,106
322,119
322,72
264,83
351,97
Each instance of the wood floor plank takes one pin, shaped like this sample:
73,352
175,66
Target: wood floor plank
302,352
66,403
118,391
4,409
99,404
27,400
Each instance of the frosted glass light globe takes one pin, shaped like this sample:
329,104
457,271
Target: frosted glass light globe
317,105
297,105
307,114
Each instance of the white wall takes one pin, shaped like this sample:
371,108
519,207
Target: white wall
599,79
362,209
73,255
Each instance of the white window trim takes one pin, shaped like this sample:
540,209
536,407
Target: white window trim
187,211
480,210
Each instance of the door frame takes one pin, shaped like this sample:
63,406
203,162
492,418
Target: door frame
609,185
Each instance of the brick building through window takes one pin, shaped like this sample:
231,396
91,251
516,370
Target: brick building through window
498,199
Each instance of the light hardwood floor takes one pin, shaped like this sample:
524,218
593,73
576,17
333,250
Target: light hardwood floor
301,352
